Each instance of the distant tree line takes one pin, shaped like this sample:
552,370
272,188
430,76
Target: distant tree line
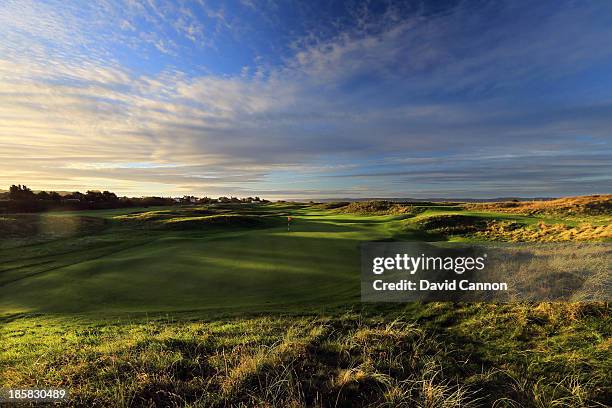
20,198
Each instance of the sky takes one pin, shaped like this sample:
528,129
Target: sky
307,99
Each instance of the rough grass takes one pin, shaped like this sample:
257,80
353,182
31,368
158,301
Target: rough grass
379,208
453,224
428,356
542,232
568,271
568,206
332,205
497,230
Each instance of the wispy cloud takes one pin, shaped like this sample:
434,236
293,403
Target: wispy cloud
471,101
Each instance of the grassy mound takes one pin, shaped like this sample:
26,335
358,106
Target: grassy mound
378,208
223,220
199,217
491,229
543,232
160,215
333,205
568,206
452,224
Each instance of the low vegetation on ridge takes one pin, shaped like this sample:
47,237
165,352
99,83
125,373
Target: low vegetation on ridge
568,206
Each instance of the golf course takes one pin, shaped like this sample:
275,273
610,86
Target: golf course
177,260
232,304
305,204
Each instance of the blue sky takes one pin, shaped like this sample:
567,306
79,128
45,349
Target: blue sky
307,99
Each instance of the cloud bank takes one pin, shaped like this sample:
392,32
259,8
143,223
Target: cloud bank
470,100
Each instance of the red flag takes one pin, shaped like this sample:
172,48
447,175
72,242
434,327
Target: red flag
289,219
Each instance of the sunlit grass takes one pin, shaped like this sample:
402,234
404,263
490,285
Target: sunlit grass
229,313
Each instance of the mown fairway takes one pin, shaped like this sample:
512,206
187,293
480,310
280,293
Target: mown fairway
127,266
232,257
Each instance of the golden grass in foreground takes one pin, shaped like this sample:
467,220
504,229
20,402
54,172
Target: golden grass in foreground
448,355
